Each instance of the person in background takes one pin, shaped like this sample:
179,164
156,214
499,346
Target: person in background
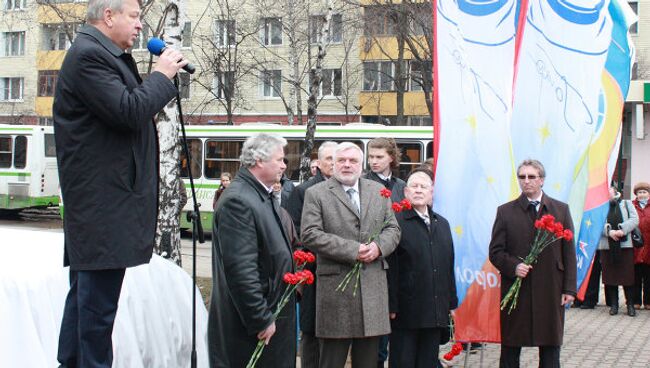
616,253
548,286
383,160
107,157
642,255
225,180
313,167
286,187
419,310
309,345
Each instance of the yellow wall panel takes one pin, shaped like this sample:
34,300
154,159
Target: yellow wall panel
385,103
43,106
385,48
72,12
49,60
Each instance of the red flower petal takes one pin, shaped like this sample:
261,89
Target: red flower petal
396,207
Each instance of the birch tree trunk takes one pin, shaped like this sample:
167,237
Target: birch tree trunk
312,105
168,240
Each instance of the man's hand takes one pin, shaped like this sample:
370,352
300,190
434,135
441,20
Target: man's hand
170,62
567,299
392,315
522,270
267,333
368,252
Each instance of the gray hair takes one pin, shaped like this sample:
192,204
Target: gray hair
534,163
95,10
260,147
323,147
344,146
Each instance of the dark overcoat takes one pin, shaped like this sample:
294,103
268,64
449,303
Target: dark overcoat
308,299
251,253
421,281
107,153
538,319
332,228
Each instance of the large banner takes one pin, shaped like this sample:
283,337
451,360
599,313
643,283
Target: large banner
519,79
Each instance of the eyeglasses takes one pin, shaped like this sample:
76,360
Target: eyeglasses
529,177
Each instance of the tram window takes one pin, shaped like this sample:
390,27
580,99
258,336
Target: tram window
5,151
410,157
195,146
429,150
20,149
221,156
50,145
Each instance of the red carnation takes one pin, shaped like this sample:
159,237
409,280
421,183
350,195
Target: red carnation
567,234
448,356
386,193
406,205
539,224
397,207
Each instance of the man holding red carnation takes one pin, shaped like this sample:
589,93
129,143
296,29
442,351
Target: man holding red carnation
339,217
548,285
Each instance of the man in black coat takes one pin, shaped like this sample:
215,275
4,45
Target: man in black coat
251,252
309,347
106,148
421,280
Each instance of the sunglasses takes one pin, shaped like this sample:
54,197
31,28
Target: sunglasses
529,177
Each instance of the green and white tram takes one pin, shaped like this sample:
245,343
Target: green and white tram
216,149
28,171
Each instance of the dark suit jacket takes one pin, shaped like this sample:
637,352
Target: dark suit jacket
251,253
396,185
107,153
538,319
421,281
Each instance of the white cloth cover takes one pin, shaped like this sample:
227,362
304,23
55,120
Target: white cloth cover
153,326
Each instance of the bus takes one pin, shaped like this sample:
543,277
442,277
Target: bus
28,170
216,149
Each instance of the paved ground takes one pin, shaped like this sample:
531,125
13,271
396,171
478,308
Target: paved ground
593,338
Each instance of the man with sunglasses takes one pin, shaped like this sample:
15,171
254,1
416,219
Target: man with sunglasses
548,285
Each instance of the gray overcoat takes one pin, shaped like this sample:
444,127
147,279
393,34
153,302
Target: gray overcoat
333,230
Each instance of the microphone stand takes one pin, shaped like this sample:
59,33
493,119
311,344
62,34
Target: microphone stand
193,216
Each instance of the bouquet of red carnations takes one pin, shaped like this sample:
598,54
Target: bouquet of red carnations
301,276
548,231
355,272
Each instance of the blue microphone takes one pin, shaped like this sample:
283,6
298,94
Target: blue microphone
156,46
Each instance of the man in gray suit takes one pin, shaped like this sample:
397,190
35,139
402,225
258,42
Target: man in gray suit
338,218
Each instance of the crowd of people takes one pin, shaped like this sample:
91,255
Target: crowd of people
402,259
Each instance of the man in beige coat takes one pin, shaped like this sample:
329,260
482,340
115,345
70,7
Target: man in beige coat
338,218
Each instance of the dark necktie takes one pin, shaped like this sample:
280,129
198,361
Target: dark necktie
532,209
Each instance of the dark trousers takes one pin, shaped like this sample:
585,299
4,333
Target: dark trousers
549,356
88,316
382,354
414,348
612,294
334,352
593,288
309,350
642,284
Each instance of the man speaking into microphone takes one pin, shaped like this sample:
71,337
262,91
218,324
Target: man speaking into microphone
106,147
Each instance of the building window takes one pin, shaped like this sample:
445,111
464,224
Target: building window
14,43
378,21
421,22
187,35
271,31
271,83
420,121
224,32
15,4
47,82
223,85
11,89
420,73
330,83
378,76
46,121
635,7
58,36
336,27
185,85
143,38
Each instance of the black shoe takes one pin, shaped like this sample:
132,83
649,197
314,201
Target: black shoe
587,306
613,310
630,311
